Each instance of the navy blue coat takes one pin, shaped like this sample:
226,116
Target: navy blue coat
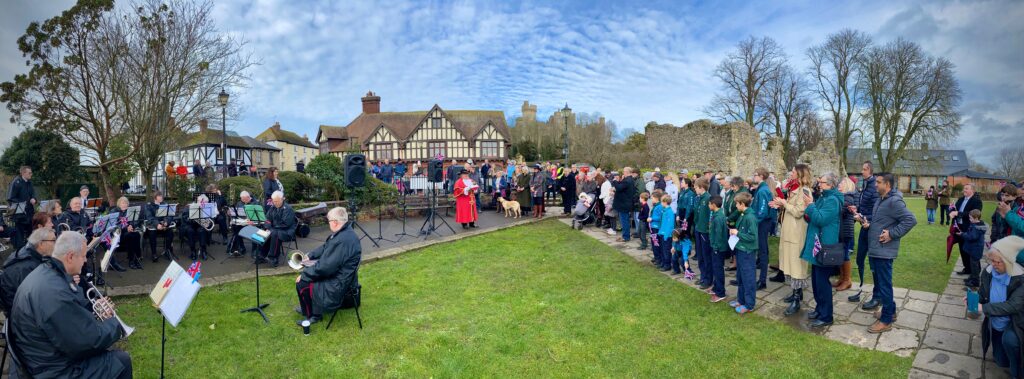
336,269
974,239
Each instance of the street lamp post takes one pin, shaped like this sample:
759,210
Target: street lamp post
222,98
565,115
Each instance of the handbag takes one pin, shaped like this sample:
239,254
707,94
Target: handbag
831,255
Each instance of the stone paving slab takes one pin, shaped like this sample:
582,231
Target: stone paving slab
955,365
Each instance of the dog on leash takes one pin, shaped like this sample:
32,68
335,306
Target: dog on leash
511,208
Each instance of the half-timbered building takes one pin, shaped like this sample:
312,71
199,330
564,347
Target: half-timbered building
419,135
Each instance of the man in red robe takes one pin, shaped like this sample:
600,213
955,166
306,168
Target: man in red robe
465,200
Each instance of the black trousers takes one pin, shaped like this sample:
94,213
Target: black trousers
152,236
237,243
198,234
21,232
272,248
131,243
305,291
944,218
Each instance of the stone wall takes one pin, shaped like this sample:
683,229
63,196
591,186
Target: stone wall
823,159
734,148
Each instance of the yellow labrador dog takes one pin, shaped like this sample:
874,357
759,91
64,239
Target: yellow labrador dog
511,208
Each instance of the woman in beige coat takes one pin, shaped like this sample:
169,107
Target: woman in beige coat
793,235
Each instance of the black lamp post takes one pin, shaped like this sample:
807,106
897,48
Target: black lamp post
222,98
565,114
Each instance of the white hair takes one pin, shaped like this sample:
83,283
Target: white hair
73,200
277,195
202,199
68,243
39,235
339,214
244,194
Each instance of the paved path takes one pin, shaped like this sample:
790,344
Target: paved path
934,326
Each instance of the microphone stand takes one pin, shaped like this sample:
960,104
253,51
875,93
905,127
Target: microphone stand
405,216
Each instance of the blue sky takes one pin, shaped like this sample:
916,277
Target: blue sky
633,62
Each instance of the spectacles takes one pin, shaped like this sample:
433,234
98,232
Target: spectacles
49,240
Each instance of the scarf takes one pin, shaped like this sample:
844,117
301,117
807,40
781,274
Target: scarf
997,294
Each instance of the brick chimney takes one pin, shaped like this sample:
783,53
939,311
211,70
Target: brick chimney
277,126
202,126
371,103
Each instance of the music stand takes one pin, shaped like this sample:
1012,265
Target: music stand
354,220
405,216
255,213
19,207
251,233
234,213
164,211
204,211
430,224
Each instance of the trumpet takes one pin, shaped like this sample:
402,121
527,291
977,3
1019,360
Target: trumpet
295,259
103,308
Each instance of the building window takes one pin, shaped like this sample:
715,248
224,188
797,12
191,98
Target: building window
956,158
382,151
435,123
435,148
271,158
489,149
259,157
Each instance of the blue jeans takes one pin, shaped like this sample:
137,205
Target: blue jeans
822,289
1005,348
862,252
764,228
624,223
745,275
881,272
718,270
931,216
703,250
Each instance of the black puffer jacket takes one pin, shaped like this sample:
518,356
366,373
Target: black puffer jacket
336,269
846,226
16,268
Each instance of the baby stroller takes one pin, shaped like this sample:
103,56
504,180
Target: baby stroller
584,212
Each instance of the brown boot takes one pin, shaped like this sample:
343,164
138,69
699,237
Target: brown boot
879,327
844,282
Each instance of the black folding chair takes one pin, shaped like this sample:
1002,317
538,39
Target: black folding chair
353,298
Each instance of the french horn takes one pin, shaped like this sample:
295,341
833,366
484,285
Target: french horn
101,306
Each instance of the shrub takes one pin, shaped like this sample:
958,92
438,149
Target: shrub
297,186
231,187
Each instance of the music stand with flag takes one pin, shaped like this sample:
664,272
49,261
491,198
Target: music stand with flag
172,296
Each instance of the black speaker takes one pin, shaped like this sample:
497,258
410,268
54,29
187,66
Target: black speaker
355,170
435,172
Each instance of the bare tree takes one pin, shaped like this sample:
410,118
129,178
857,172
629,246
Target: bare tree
175,63
786,105
910,97
744,74
69,86
834,66
1011,162
808,134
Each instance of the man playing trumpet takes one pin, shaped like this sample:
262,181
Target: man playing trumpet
331,270
53,329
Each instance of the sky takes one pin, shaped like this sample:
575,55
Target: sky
633,62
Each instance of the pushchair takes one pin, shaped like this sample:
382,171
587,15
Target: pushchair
585,211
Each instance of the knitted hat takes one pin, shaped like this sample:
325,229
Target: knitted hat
1008,248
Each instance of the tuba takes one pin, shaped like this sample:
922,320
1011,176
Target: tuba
102,305
295,259
206,223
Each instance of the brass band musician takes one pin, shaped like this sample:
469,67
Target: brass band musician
281,224
76,218
196,231
237,244
158,226
53,330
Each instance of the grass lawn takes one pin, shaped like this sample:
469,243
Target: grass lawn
532,301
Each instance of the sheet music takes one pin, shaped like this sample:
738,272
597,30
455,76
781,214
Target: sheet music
733,240
164,284
180,292
114,242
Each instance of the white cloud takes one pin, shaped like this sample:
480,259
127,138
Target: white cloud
633,63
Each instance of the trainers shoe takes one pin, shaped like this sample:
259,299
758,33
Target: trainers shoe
716,299
734,303
879,327
742,309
